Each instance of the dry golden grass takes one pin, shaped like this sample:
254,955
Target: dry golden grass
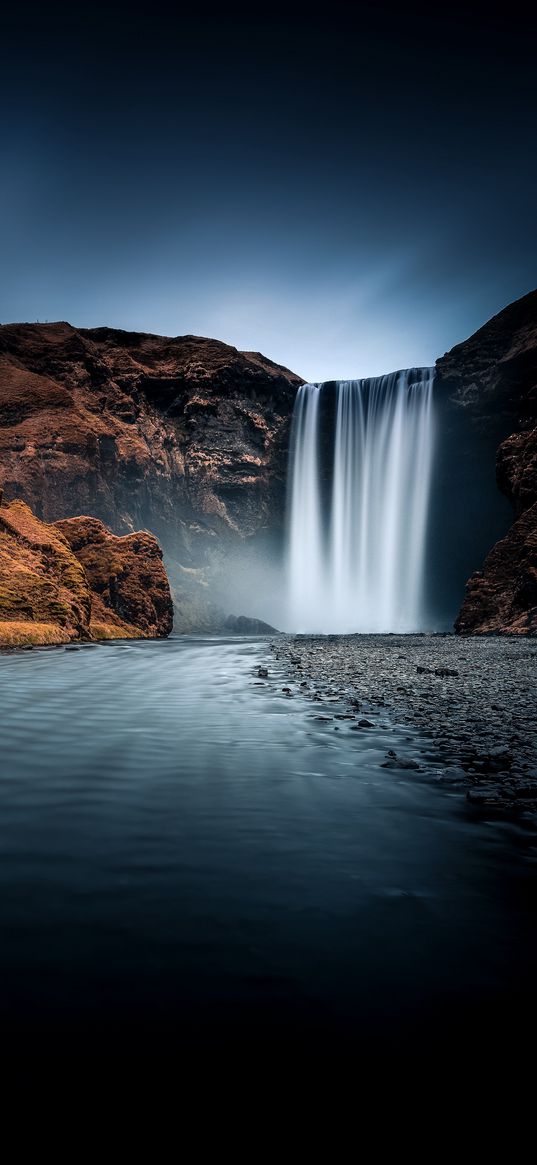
21,634
113,631
52,593
42,583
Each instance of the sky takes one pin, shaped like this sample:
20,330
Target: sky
348,193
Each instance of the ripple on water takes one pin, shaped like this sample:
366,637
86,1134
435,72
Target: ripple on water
173,831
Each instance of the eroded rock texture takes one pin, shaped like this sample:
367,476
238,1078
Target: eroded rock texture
186,437
129,586
492,380
76,581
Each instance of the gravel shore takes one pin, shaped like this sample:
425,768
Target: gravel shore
473,701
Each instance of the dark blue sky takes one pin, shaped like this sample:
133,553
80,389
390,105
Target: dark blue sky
347,194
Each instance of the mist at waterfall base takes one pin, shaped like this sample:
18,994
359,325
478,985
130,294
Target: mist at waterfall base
392,504
359,508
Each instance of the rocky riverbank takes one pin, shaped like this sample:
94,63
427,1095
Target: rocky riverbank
472,701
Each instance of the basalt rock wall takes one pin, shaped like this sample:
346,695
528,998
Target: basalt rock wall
487,396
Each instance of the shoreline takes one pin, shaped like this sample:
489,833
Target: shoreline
79,644
472,699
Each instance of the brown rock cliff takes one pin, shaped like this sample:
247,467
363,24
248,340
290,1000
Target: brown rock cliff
129,587
76,581
186,437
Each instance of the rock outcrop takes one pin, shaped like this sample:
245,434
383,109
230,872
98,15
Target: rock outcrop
492,376
186,437
492,380
244,625
129,586
502,598
76,581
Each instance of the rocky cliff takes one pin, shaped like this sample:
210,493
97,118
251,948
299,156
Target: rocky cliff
491,381
186,437
126,575
76,581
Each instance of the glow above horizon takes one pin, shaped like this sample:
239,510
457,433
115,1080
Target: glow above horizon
242,179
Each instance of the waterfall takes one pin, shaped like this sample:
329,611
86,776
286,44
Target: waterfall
360,471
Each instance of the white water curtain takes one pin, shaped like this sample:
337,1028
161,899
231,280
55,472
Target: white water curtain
357,562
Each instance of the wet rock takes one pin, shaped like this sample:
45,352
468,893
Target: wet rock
400,762
421,670
496,761
262,673
483,796
493,748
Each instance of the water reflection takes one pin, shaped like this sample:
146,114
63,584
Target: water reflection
185,850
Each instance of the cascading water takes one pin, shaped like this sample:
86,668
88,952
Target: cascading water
357,526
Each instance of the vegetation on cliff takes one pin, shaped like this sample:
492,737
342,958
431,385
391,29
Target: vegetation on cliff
186,437
60,585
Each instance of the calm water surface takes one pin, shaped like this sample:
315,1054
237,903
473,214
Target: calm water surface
190,858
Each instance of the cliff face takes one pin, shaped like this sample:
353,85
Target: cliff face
502,597
492,380
76,581
129,586
493,375
186,437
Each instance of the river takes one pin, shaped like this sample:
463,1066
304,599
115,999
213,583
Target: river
188,855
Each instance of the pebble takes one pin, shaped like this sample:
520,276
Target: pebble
483,728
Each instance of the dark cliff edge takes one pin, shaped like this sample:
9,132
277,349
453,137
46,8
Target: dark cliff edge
186,437
75,581
488,389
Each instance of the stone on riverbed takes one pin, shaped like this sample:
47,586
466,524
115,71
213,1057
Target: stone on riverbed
484,725
400,762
